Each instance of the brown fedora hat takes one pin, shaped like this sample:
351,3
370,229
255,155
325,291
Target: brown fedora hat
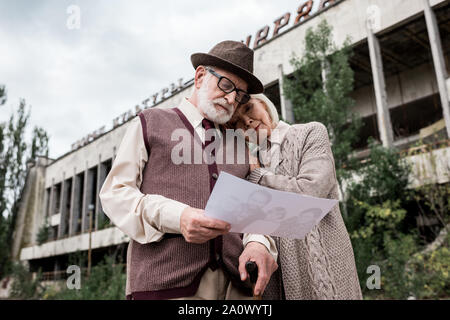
234,57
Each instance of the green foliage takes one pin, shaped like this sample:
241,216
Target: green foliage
380,220
379,242
13,157
377,205
376,199
379,183
5,263
43,233
3,95
24,286
320,91
384,176
106,282
103,222
395,283
39,143
433,199
430,273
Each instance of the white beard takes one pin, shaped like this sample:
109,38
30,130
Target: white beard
209,110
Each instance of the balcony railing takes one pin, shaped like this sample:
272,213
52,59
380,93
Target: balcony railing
425,148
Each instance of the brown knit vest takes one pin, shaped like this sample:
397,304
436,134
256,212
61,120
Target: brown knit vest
172,267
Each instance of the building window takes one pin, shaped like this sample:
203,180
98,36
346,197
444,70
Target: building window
409,119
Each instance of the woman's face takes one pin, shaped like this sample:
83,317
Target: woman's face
252,116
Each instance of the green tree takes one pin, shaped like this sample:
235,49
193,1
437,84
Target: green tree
106,282
14,154
4,218
39,143
320,91
16,172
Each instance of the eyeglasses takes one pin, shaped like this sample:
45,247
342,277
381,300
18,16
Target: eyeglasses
227,86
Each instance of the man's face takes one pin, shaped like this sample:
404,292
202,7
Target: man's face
214,103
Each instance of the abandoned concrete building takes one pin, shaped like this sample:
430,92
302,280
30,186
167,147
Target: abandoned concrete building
401,64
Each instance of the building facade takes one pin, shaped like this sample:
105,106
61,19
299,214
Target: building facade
401,64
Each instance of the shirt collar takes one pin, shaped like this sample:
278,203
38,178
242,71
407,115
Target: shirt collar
191,113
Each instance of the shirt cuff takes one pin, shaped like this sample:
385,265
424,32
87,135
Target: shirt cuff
171,215
256,175
267,241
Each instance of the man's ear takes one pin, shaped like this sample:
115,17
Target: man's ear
200,74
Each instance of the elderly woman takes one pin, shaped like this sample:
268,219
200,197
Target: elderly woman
298,158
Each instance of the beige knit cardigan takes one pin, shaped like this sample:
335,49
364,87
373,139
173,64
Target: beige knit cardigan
321,266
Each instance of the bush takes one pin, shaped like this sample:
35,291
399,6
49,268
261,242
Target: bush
23,285
395,282
106,282
43,234
376,206
378,242
384,176
380,236
429,273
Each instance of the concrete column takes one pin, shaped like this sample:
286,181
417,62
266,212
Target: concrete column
89,198
62,209
51,206
287,113
84,205
42,218
46,203
384,119
103,174
97,192
72,204
438,60
77,206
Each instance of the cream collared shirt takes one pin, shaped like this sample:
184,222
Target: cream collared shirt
146,217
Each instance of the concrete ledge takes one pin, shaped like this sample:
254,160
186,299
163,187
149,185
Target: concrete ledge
100,239
432,167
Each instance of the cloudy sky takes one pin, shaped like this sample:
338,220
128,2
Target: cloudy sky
78,80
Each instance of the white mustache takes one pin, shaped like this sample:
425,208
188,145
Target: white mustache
223,103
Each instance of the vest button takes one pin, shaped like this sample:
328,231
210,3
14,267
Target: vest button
215,176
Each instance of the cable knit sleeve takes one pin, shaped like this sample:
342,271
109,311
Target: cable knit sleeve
307,152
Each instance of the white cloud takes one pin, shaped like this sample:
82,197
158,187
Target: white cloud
79,80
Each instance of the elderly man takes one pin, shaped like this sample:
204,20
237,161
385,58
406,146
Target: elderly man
176,251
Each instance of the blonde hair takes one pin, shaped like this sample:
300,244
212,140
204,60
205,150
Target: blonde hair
270,107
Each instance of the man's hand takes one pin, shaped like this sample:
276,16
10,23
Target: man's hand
258,253
198,228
